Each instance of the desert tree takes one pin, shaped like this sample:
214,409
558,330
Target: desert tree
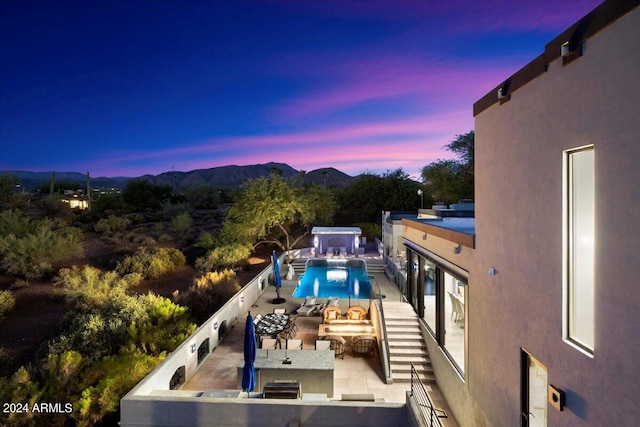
452,180
273,210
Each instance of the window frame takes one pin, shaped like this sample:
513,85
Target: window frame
570,253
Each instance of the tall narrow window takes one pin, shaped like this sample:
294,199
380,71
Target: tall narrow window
580,247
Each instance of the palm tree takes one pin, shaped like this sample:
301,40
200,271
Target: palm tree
303,173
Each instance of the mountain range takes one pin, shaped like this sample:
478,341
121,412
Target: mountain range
220,177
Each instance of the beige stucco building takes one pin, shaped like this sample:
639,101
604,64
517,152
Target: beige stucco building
548,277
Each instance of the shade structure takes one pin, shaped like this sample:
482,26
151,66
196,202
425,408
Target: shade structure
249,370
277,279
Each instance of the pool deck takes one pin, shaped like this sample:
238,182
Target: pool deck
351,374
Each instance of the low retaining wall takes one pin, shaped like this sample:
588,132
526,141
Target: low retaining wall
148,411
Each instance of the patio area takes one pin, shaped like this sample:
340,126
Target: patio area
352,375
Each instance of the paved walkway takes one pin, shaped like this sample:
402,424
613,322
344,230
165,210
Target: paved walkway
352,374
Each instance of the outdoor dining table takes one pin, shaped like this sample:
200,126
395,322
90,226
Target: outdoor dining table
272,324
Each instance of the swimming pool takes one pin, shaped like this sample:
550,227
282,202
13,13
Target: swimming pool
325,278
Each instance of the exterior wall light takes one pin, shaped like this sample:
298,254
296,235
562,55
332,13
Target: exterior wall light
193,348
216,325
492,272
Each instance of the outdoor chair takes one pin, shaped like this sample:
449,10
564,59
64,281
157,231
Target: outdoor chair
457,310
257,319
294,344
356,312
331,313
337,344
323,345
364,345
291,330
269,343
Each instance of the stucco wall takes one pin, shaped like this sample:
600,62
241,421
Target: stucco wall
518,153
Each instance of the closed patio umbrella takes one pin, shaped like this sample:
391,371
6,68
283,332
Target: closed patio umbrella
277,279
249,370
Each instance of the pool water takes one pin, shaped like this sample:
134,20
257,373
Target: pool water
325,278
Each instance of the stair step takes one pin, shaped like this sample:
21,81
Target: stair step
404,368
404,337
418,359
404,377
407,351
406,324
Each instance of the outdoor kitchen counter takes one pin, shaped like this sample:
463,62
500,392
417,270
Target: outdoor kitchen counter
313,369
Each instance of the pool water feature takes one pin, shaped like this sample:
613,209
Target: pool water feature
325,278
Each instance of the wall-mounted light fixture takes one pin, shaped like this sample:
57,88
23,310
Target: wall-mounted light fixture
216,325
457,249
556,397
193,348
492,272
241,299
424,236
500,93
564,49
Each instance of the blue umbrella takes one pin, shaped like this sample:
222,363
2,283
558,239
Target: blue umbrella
249,370
277,278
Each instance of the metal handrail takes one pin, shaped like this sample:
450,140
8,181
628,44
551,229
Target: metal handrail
430,414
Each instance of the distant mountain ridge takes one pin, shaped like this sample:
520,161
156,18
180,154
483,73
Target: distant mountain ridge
222,177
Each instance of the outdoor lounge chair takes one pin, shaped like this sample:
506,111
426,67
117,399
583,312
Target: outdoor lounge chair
309,307
333,302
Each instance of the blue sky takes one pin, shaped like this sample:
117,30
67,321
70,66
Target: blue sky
126,88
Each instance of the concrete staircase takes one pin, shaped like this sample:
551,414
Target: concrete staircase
406,344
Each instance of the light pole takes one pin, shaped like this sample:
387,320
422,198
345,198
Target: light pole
421,199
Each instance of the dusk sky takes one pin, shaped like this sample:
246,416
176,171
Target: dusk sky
126,88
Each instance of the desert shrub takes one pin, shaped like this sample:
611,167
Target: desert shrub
148,241
208,293
152,264
7,301
206,241
181,222
227,256
203,197
90,286
139,230
170,210
54,206
112,224
19,284
30,247
100,356
165,238
110,379
370,230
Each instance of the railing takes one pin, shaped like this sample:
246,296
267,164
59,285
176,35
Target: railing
385,357
430,415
